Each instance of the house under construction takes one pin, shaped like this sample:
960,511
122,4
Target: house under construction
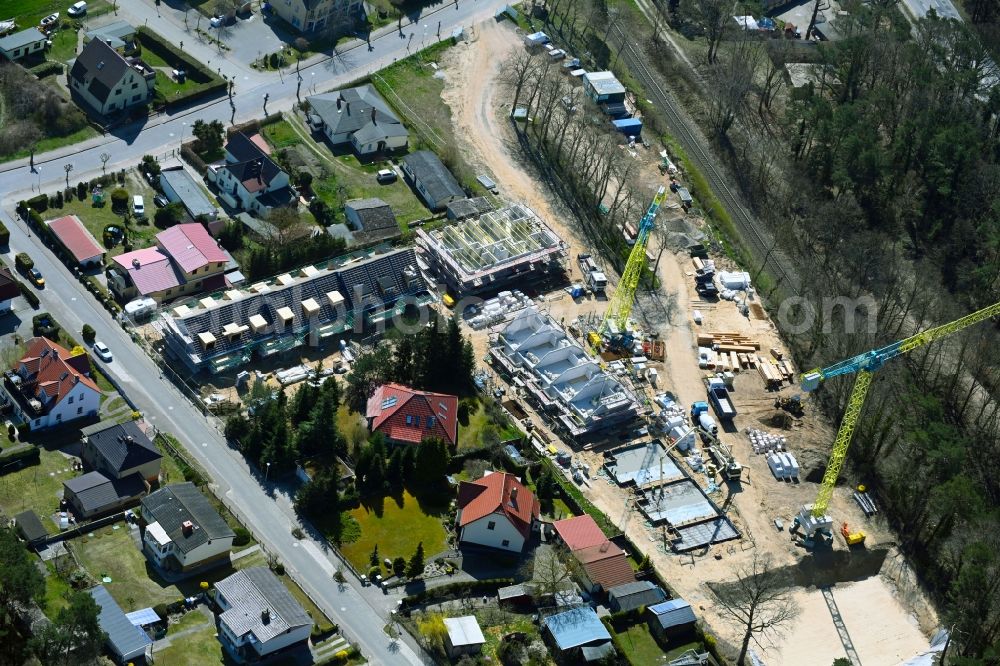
559,377
493,249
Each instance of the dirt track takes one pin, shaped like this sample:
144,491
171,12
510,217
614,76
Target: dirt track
882,629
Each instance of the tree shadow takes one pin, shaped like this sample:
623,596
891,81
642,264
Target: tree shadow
374,504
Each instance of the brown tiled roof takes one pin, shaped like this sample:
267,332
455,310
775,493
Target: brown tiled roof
606,565
501,493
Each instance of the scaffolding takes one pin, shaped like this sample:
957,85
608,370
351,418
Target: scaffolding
512,239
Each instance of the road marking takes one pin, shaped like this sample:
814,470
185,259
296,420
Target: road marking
171,408
204,443
295,544
72,298
343,609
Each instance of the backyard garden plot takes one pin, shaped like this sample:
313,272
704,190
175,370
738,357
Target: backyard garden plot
28,13
396,525
38,487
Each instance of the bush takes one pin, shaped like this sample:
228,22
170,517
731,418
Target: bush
39,203
23,261
161,611
81,191
28,294
191,157
47,68
150,165
169,215
89,334
19,456
119,200
242,536
4,235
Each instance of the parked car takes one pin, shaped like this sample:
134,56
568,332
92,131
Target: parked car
160,201
218,21
49,20
138,206
102,351
385,176
77,9
36,278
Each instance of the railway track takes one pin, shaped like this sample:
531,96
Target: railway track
687,133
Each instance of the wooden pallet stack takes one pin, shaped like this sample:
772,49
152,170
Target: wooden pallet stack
775,370
733,351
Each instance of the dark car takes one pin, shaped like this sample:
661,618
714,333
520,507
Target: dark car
160,201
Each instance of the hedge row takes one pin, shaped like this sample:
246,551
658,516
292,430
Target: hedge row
48,68
207,82
191,157
580,504
4,235
18,456
253,126
458,590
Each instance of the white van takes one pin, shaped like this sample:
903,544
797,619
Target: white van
77,9
138,206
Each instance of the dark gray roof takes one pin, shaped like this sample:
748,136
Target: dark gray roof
464,208
122,445
242,148
249,592
261,168
193,198
672,613
433,175
95,492
30,527
102,64
348,280
283,196
350,110
172,505
124,638
374,214
22,38
633,595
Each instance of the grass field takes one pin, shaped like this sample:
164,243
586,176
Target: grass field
53,142
56,589
29,12
471,436
63,46
397,525
194,648
346,178
37,487
640,647
95,218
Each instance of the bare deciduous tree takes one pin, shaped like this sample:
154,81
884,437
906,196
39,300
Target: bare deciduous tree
758,601
548,572
712,18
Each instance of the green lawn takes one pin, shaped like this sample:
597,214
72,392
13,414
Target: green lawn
494,633
37,487
471,436
95,218
53,142
63,47
345,177
30,12
167,88
641,649
196,648
56,589
396,525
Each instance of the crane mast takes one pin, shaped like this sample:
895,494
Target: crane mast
813,517
615,322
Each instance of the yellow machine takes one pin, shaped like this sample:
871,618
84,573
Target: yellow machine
813,518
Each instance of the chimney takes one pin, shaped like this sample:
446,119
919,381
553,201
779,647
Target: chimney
339,100
130,440
265,616
373,116
187,527
347,106
605,546
513,495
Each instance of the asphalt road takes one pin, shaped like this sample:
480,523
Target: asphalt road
360,612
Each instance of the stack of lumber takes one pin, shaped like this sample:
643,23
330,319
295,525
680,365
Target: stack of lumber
775,373
728,342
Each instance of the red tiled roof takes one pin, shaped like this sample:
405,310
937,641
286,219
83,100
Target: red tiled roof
579,532
190,246
75,237
50,366
261,143
150,269
402,414
501,493
605,564
8,285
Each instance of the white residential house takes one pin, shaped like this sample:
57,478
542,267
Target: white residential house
259,615
50,386
23,43
250,180
183,531
107,81
496,511
317,15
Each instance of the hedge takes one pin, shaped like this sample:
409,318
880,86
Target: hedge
458,590
18,456
4,234
47,68
580,504
191,157
208,82
39,203
29,295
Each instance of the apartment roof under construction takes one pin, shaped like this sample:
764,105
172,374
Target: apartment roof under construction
492,248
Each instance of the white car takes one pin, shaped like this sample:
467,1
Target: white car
102,351
138,206
217,21
77,9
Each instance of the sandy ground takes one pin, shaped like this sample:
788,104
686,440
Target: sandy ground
883,631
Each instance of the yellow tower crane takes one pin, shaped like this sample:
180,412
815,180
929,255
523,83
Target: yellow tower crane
813,517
